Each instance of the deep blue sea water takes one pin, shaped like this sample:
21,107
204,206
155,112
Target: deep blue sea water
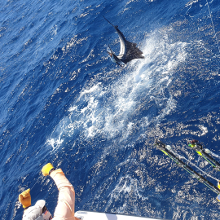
63,101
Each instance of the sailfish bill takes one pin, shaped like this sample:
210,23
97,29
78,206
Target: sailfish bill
128,50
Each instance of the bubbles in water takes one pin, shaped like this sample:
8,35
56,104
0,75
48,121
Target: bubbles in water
128,105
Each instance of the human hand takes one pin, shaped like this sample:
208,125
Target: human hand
25,198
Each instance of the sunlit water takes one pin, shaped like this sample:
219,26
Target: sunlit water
63,101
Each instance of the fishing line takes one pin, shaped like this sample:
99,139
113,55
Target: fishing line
31,188
213,26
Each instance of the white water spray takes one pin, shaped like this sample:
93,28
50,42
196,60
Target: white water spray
126,106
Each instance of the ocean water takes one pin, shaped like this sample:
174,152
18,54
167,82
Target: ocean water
63,101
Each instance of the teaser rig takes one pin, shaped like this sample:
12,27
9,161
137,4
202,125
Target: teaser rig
166,149
196,146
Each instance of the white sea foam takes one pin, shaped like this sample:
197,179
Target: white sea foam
119,109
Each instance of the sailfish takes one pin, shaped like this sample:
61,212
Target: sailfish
128,50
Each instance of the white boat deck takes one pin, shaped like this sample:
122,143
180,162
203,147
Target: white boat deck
84,215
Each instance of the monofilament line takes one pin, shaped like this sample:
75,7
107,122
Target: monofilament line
213,26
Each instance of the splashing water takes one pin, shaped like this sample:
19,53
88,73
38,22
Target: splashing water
114,111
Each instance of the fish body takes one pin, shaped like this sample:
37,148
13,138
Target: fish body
128,50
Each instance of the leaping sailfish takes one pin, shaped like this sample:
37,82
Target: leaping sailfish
128,50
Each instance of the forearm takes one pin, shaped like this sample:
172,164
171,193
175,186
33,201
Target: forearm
66,200
60,179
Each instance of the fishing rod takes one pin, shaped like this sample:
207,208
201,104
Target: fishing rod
196,146
166,149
